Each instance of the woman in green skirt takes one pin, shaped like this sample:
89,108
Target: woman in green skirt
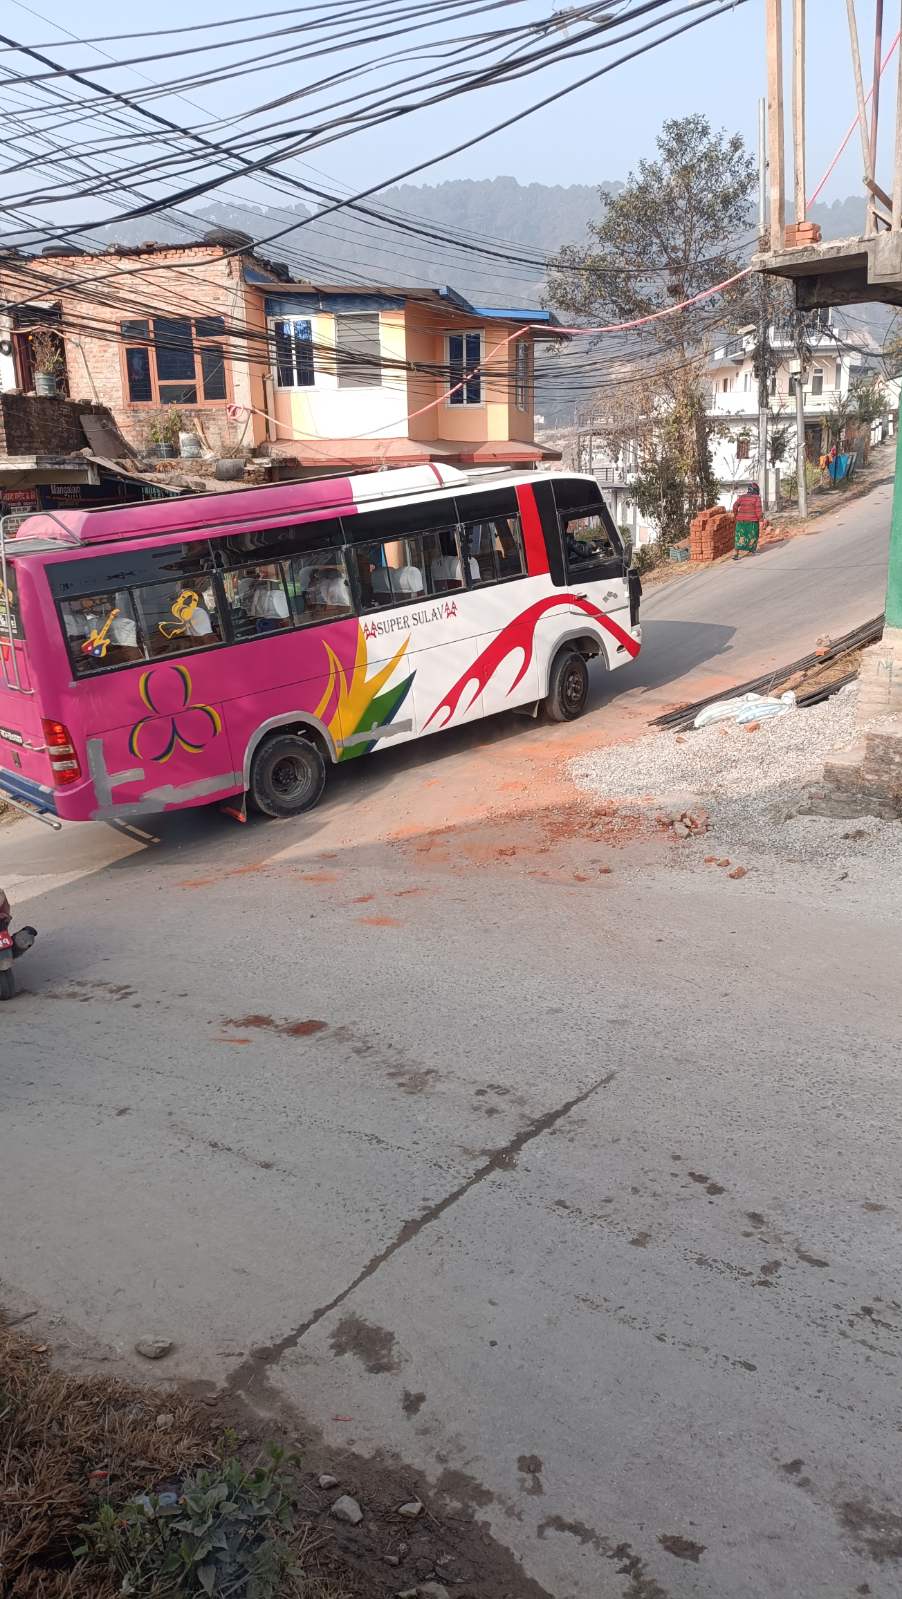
748,512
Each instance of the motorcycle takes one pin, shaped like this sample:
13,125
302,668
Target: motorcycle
12,945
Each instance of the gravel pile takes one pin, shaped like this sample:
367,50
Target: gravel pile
723,759
750,783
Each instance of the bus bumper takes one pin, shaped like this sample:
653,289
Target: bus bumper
24,791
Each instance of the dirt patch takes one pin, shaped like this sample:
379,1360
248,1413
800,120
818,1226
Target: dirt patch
71,1443
574,1529
530,1468
681,1548
872,1529
462,1489
626,1561
373,1346
412,1404
8,814
810,1260
548,842
268,1024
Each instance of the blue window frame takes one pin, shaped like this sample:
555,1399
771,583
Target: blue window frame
294,352
464,355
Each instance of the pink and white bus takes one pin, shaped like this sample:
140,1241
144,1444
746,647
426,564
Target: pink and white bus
228,647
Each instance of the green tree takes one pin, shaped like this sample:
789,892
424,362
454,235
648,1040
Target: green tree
672,231
867,404
837,418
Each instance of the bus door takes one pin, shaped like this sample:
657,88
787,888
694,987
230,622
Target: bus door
594,562
493,541
415,610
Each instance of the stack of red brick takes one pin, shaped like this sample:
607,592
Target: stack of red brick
711,534
799,235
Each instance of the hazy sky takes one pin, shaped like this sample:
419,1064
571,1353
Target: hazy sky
596,133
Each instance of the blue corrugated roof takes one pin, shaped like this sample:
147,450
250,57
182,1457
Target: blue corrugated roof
515,313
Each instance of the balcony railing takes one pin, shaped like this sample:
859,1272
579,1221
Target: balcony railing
744,402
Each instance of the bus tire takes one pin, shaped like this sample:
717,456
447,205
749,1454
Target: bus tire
568,687
288,775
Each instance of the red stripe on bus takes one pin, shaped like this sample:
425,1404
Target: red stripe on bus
533,534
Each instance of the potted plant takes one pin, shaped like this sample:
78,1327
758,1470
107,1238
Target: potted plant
49,360
163,433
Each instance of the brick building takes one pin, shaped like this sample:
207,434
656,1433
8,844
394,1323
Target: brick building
328,376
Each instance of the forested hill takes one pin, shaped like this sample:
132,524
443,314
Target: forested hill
521,220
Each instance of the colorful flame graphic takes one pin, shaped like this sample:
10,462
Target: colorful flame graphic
358,705
173,720
520,635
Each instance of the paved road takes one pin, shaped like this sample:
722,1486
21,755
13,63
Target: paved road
735,620
489,1141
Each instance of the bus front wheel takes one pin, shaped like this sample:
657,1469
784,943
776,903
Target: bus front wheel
568,687
288,775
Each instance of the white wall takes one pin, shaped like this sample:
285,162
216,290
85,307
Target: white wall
7,364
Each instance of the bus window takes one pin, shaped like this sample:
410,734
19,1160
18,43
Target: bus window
443,562
318,585
257,599
495,548
102,631
587,542
390,572
179,616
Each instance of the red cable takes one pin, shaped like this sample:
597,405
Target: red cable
853,125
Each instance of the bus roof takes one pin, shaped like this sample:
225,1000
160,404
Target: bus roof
314,497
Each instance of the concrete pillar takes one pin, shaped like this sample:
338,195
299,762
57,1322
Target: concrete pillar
894,576
880,678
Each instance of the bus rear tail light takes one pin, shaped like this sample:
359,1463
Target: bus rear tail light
63,759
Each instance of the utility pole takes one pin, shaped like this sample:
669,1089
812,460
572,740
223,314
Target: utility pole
798,123
761,364
798,109
774,14
803,352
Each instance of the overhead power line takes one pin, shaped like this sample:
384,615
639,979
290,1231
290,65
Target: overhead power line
708,9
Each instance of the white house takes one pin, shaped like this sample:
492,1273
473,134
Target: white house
582,450
839,357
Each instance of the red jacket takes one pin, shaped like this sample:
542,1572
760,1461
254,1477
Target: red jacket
748,508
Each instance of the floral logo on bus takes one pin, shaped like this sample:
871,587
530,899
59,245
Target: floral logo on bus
355,703
174,720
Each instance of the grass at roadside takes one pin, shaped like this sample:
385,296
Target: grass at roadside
111,1487
108,1488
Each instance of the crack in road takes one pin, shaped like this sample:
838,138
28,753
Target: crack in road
251,1374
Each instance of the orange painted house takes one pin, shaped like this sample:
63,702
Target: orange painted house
326,375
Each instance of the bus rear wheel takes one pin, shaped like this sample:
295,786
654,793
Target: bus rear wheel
288,775
568,687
